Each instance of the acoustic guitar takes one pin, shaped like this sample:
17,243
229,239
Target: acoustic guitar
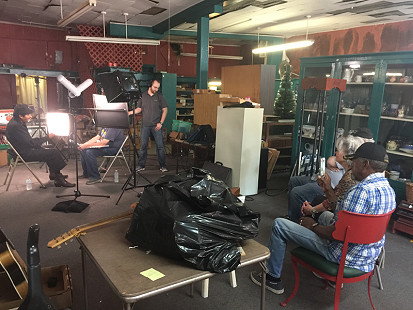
79,230
35,299
13,266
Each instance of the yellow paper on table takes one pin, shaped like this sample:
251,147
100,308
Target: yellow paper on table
152,274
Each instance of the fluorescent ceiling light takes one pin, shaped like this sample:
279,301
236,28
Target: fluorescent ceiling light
85,7
229,57
214,83
112,40
387,74
282,47
354,66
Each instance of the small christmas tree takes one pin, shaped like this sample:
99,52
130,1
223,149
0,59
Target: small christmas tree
285,102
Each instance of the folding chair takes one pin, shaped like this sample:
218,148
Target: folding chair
119,155
13,164
350,228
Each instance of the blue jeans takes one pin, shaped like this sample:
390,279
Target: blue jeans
300,189
160,150
284,230
89,160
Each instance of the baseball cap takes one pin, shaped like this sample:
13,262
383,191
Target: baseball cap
22,109
363,132
370,151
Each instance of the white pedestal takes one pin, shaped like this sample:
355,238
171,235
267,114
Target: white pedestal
238,145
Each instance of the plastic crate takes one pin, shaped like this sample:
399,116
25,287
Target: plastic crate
181,126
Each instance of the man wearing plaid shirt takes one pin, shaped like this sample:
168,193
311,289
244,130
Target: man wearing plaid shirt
373,195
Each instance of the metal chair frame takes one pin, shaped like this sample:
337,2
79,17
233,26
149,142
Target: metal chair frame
13,164
118,155
350,228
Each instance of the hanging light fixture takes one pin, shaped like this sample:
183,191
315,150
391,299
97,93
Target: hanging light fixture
85,7
113,40
286,46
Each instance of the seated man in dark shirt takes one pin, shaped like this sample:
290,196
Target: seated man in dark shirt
106,143
31,148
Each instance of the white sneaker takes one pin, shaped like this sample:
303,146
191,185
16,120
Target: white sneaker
139,168
163,169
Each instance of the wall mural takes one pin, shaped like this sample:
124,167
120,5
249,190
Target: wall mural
369,39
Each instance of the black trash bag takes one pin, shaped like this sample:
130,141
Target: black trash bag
195,217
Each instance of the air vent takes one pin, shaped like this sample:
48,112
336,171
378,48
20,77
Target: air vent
155,10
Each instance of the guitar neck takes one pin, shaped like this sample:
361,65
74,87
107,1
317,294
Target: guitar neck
83,228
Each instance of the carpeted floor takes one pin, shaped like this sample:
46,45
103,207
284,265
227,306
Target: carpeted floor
20,208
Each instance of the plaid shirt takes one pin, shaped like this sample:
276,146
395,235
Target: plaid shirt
373,195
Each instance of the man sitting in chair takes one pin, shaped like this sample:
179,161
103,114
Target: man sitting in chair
31,148
373,195
106,143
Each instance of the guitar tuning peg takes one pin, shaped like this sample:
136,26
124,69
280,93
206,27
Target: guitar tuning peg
65,243
71,240
59,246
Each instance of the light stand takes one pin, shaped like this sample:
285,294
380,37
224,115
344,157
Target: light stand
39,122
74,204
128,184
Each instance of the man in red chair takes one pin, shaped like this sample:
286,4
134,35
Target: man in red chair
373,195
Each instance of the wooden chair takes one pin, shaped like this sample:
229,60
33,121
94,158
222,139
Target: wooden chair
118,155
13,164
350,228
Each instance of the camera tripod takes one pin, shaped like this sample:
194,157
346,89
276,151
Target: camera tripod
129,184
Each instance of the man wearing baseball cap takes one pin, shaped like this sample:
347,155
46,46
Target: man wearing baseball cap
372,195
31,148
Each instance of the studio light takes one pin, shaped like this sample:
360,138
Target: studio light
58,124
112,40
282,47
85,7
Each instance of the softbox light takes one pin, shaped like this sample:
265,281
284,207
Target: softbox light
120,86
58,124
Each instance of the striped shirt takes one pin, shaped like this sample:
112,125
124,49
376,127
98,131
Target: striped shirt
373,195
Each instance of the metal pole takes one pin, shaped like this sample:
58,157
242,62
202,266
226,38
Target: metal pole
321,130
337,119
300,131
315,136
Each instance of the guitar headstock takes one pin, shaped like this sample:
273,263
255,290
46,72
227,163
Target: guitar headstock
64,238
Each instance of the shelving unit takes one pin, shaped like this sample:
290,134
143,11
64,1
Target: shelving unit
185,99
273,135
380,90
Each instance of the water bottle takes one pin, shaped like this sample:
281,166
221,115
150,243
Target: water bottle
116,176
28,184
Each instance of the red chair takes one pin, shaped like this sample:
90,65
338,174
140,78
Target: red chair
350,228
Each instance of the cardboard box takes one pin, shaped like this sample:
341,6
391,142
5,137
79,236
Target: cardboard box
56,283
175,135
3,158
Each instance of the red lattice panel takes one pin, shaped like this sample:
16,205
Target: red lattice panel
124,55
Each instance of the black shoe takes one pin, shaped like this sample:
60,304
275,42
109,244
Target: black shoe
52,176
61,182
275,287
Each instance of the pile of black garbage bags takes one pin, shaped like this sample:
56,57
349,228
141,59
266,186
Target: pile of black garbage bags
195,217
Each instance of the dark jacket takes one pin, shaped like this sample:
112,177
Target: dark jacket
18,135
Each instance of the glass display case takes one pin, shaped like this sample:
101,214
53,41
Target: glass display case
379,95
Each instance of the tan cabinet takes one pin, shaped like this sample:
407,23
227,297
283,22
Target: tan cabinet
255,81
